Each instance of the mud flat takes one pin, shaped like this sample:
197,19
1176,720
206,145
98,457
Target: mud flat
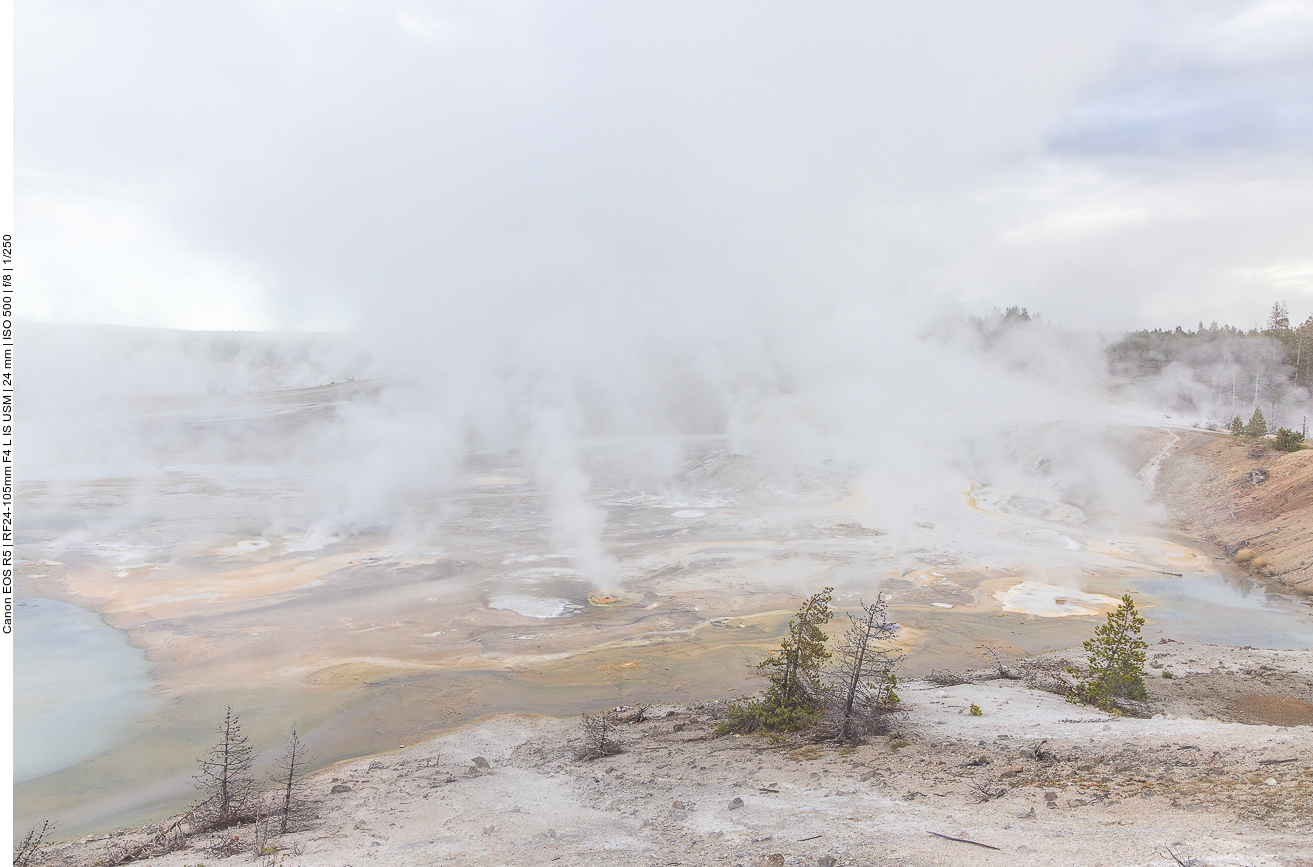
1034,779
369,641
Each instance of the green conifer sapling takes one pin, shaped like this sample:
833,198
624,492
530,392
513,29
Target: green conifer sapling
1116,656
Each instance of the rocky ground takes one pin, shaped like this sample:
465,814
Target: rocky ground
1253,502
1222,774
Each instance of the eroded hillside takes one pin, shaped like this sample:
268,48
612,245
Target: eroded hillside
1253,502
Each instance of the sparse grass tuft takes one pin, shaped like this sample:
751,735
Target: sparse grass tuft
804,754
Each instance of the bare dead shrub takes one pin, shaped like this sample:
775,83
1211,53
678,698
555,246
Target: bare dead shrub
943,677
1002,670
29,850
166,837
983,792
226,847
597,736
1048,675
290,809
859,688
1182,859
225,777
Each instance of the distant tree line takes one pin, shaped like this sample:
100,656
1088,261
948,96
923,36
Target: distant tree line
1148,352
1224,371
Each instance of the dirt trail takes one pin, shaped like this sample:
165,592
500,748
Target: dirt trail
1254,503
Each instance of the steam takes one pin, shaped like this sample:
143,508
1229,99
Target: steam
907,416
580,242
577,524
1213,375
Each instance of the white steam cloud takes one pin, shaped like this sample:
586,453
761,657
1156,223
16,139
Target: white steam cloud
550,228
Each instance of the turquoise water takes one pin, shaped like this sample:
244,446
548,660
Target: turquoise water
79,687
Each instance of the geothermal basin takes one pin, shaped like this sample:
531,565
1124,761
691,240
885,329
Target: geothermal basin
216,587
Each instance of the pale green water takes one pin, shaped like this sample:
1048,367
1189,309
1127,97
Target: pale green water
79,687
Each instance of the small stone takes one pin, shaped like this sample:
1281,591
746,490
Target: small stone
772,860
1050,796
736,803
677,805
1270,781
679,727
1076,802
826,861
339,789
480,762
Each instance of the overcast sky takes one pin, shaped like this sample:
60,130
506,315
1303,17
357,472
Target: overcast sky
384,164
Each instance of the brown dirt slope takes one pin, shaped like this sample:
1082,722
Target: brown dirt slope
1253,502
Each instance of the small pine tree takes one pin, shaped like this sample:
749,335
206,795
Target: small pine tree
795,696
1116,657
226,777
1237,426
1288,440
1257,426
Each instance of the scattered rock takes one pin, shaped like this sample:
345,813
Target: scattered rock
339,789
772,860
679,727
736,803
1076,802
826,861
480,762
